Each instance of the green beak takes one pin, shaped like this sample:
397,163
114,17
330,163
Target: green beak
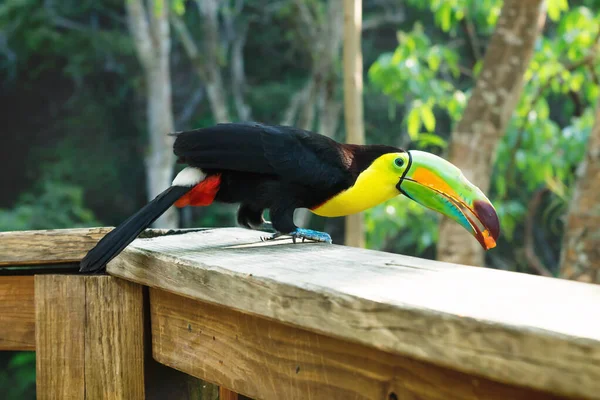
439,185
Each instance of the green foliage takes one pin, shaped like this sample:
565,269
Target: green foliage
53,205
17,375
547,135
401,224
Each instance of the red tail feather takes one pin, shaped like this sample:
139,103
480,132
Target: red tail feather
202,194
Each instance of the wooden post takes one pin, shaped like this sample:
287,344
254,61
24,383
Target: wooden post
17,317
89,338
353,101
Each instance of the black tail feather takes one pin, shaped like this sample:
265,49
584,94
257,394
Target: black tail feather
117,239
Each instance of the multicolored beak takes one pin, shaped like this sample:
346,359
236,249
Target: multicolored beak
439,185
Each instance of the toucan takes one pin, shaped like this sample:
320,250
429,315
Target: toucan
282,168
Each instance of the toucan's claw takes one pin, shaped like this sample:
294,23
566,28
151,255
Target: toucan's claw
275,236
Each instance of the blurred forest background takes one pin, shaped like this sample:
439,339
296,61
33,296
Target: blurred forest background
506,90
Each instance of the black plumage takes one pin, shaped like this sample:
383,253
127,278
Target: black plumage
117,239
279,168
261,167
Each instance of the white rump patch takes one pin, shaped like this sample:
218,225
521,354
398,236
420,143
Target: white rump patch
189,176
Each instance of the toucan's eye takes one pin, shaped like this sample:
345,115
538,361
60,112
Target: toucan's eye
399,162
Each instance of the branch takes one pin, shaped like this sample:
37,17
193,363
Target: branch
238,74
236,31
138,26
4,49
159,25
472,36
381,20
307,114
308,20
208,10
186,114
186,40
297,100
532,259
60,20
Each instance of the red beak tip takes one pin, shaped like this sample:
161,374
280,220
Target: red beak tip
487,214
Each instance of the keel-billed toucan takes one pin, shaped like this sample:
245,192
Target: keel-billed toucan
282,168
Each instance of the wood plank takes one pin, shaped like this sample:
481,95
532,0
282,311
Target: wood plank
114,339
509,327
60,349
48,246
89,338
17,313
265,359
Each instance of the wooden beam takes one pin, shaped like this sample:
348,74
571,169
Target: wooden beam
89,337
509,327
60,335
17,313
265,359
49,246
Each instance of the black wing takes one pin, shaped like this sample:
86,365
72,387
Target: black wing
291,154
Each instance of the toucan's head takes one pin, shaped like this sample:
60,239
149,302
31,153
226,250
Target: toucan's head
439,185
423,177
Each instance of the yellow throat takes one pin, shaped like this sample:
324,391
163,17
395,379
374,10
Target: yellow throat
373,186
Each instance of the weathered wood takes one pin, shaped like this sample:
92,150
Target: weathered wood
17,313
89,338
509,327
48,247
60,333
265,359
114,334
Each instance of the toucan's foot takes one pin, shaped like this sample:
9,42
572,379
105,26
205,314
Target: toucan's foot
309,234
304,234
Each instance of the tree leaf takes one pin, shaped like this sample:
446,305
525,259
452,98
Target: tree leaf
444,14
427,117
413,122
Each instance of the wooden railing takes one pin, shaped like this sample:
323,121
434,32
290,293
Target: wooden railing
282,321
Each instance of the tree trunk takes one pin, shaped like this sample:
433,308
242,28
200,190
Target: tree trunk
580,254
206,61
353,101
160,158
498,88
150,31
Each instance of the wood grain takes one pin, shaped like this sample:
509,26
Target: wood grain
89,338
267,360
17,313
226,394
48,246
60,348
513,328
114,335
